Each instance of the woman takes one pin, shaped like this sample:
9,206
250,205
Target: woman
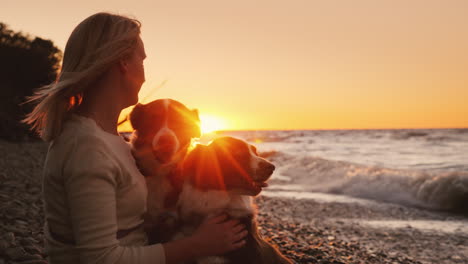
94,195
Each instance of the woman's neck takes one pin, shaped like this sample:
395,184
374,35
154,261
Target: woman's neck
104,101
107,120
104,110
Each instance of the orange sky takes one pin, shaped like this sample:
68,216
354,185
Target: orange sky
291,64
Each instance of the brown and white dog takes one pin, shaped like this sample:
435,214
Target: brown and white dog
223,177
163,132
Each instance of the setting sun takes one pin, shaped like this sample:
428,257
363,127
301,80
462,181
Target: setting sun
210,123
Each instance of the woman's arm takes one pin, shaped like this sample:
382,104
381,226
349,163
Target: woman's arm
91,184
91,197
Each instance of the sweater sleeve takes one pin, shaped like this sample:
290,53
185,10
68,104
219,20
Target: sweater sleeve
91,192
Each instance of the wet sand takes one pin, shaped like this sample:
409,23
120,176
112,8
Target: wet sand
308,230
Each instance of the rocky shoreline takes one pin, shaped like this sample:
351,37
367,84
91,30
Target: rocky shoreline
312,232
304,230
21,215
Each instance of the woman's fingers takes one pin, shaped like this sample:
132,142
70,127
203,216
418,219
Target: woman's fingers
238,244
217,219
238,228
231,223
239,236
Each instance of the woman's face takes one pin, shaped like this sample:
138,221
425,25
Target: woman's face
135,75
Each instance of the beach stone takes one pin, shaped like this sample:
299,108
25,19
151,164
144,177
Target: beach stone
35,190
3,246
28,241
18,231
33,262
9,238
31,257
21,222
15,253
33,249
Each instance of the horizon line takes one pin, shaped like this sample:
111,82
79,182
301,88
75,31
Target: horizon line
327,129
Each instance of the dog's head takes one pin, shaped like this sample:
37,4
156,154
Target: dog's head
227,164
163,130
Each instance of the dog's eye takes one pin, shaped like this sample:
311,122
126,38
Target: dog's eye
238,153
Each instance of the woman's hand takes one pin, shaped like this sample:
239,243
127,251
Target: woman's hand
218,235
215,236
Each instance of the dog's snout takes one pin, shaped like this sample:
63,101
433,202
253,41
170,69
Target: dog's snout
267,166
164,148
166,139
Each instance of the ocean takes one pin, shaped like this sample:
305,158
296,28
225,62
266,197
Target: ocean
423,168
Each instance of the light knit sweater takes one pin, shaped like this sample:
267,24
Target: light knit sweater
91,189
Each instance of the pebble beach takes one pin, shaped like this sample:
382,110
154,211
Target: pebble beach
305,230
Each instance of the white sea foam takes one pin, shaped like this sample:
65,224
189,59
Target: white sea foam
319,197
446,226
438,190
423,168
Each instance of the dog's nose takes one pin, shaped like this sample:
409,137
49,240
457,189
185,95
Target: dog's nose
164,148
267,166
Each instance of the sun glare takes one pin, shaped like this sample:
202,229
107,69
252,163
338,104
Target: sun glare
211,123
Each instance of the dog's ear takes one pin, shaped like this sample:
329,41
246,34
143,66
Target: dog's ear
193,158
195,114
136,116
196,119
202,170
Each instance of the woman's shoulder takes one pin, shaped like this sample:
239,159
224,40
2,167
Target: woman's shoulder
80,141
77,134
83,146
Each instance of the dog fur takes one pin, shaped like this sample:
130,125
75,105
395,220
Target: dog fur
224,177
163,132
185,188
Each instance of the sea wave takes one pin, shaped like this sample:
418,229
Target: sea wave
435,190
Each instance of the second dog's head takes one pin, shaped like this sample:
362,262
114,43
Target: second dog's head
163,132
227,164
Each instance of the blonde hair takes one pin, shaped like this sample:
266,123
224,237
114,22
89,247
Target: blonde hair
94,45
